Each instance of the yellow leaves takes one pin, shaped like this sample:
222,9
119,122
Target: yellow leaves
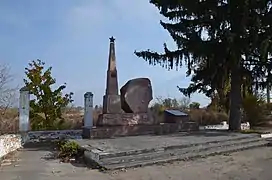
48,102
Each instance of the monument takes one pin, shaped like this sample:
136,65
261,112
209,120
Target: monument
129,108
111,99
136,95
126,113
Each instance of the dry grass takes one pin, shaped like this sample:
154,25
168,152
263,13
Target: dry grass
74,118
9,120
201,116
206,117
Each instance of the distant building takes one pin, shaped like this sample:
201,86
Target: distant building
175,116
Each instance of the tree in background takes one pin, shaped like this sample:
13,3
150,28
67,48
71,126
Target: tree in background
7,92
194,105
254,109
217,40
162,104
46,107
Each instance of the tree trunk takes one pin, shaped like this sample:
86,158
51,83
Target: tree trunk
235,100
268,88
268,93
237,25
256,88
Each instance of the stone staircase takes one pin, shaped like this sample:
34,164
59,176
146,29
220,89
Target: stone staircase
166,154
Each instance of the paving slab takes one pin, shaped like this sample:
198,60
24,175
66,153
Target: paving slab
254,164
33,164
135,143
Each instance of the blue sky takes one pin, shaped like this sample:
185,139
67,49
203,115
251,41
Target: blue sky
72,37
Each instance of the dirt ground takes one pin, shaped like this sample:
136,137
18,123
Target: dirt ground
255,164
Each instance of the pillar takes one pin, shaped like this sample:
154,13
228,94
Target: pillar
88,110
24,110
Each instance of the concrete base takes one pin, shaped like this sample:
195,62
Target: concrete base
124,119
86,132
135,130
112,104
125,152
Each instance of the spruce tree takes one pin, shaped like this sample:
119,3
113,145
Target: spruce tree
213,37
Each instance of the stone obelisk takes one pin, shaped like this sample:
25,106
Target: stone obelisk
111,99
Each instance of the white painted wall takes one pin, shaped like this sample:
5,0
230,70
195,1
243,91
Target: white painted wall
9,143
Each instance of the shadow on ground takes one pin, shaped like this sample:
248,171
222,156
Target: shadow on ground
52,153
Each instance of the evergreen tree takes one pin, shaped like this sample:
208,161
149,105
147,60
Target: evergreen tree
216,39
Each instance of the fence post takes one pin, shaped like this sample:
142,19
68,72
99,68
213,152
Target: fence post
88,114
24,110
88,110
24,124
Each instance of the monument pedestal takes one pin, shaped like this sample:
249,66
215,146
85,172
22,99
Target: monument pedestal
124,119
112,104
102,132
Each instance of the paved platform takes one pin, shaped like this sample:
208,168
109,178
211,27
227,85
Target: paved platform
32,164
135,151
134,143
254,164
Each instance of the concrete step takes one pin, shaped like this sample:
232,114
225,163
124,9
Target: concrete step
182,150
182,154
167,148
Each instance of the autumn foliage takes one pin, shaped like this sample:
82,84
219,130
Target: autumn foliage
47,103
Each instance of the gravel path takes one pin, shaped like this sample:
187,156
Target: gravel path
253,164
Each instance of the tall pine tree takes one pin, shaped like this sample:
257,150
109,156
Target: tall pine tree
213,37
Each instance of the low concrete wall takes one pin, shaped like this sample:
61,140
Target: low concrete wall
40,136
9,143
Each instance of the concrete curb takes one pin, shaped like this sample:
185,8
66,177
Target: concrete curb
266,135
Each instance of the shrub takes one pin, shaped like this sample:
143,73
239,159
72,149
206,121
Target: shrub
254,109
207,117
68,149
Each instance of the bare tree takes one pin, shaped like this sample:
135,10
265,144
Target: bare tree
184,102
7,92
